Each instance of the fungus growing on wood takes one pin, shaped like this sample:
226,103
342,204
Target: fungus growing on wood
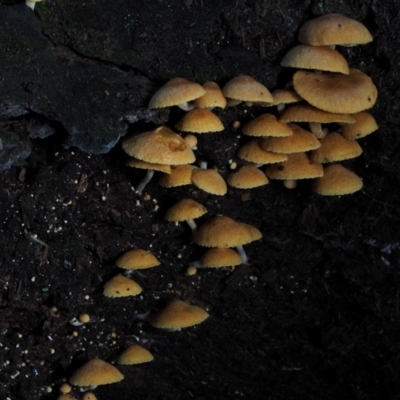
177,315
94,373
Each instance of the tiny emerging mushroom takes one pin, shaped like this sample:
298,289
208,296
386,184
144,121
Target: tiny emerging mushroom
31,3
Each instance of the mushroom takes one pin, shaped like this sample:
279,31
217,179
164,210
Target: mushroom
365,124
177,92
315,117
212,98
210,181
137,259
218,258
177,315
245,88
336,93
334,147
200,120
134,354
95,372
254,153
121,286
317,58
186,210
337,181
332,30
247,177
223,232
180,175
282,97
266,125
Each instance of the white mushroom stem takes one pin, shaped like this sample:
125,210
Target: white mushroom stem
290,184
75,322
145,180
242,254
280,108
317,130
203,164
192,225
30,4
186,106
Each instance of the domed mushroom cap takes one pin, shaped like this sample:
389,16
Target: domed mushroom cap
365,124
246,88
320,58
210,181
178,314
334,29
137,259
221,231
336,93
307,113
285,96
121,286
337,181
159,146
247,177
185,209
175,92
334,147
212,98
252,152
298,166
135,163
220,258
266,125
96,372
135,354
300,141
180,175
200,120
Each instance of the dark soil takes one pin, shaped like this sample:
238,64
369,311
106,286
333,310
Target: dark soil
314,315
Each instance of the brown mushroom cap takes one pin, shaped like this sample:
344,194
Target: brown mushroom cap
200,120
307,113
319,58
252,152
175,92
180,175
137,259
300,141
219,258
336,93
246,88
247,177
135,163
212,98
334,29
285,96
210,181
185,209
221,231
178,314
365,124
121,286
159,146
298,166
134,354
266,125
334,147
96,372
337,181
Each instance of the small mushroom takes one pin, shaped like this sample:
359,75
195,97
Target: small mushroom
137,259
121,286
31,3
135,354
